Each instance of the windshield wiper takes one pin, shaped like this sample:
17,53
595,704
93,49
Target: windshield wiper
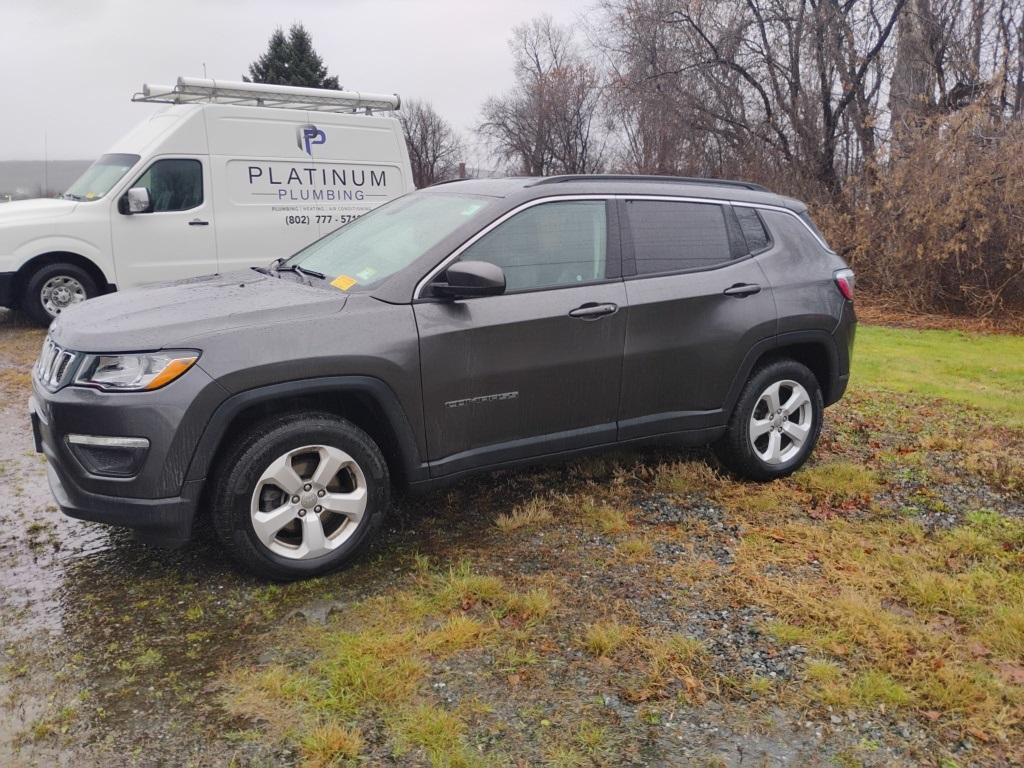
301,270
71,196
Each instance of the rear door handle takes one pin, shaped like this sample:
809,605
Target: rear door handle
198,223
742,289
592,310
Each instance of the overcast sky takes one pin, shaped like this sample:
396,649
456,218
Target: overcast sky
69,67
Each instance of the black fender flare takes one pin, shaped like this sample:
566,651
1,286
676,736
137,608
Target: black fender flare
405,440
764,347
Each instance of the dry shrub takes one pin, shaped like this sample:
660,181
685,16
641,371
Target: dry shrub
940,226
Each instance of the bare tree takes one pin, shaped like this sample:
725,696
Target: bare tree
435,148
548,123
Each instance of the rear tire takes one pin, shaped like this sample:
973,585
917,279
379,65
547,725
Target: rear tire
775,424
298,495
53,288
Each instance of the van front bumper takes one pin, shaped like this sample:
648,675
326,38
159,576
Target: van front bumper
7,293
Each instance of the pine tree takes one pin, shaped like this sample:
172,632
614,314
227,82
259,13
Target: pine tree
272,66
291,60
305,67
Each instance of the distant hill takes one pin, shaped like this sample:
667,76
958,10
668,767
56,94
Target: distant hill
24,178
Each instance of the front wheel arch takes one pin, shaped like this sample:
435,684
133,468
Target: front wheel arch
33,265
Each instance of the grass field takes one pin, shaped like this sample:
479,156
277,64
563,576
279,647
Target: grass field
982,371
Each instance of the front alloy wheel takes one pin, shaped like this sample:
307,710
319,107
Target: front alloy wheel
298,494
308,502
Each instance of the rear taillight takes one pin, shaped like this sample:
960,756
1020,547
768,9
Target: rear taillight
845,282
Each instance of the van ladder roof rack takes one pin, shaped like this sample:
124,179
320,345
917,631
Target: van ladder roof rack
628,177
197,90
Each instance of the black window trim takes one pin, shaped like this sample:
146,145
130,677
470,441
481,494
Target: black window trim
155,160
613,245
764,226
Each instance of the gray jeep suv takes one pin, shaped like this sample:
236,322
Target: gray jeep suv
464,327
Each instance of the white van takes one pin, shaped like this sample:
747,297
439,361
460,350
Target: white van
230,175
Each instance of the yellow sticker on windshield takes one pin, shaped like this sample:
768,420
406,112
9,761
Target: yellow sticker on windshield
344,282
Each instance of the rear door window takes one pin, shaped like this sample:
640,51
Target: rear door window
669,236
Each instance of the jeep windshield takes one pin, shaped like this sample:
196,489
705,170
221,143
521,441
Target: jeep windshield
100,177
378,244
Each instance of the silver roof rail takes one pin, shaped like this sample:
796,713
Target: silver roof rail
197,90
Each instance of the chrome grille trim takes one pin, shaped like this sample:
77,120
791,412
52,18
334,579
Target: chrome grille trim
55,365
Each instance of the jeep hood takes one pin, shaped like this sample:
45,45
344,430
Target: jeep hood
183,313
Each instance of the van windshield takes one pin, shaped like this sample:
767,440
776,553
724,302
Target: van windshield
100,177
387,239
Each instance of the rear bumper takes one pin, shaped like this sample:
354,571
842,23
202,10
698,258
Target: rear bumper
7,292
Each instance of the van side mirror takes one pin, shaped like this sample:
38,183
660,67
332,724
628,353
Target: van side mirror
467,279
135,200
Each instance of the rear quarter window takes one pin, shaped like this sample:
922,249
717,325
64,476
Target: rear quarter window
754,232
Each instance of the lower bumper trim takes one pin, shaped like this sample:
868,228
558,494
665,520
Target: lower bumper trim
160,521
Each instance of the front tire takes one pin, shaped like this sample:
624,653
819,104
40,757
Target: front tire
299,495
53,288
776,422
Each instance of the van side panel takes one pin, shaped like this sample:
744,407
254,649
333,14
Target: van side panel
283,178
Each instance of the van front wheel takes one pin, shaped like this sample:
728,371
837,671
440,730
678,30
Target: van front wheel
53,288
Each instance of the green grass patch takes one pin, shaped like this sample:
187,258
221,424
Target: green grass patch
982,371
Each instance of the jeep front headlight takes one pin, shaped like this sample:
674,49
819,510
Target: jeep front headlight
135,372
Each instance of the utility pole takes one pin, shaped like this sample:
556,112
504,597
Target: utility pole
46,164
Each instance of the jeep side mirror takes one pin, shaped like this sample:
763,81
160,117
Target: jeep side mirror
468,279
135,200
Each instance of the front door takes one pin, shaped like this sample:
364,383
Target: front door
536,370
176,237
698,302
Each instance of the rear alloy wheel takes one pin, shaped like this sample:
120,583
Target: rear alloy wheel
54,288
298,495
775,424
781,422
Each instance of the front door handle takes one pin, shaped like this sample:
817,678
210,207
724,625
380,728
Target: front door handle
198,223
739,290
592,310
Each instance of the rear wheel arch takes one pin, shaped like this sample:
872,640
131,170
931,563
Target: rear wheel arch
818,356
814,349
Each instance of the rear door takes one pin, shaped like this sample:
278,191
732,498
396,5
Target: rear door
698,301
536,370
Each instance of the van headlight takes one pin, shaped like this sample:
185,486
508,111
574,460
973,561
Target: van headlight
135,372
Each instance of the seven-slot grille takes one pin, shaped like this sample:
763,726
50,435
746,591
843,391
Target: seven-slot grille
54,366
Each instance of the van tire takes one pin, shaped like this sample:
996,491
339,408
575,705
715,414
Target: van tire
71,283
246,462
